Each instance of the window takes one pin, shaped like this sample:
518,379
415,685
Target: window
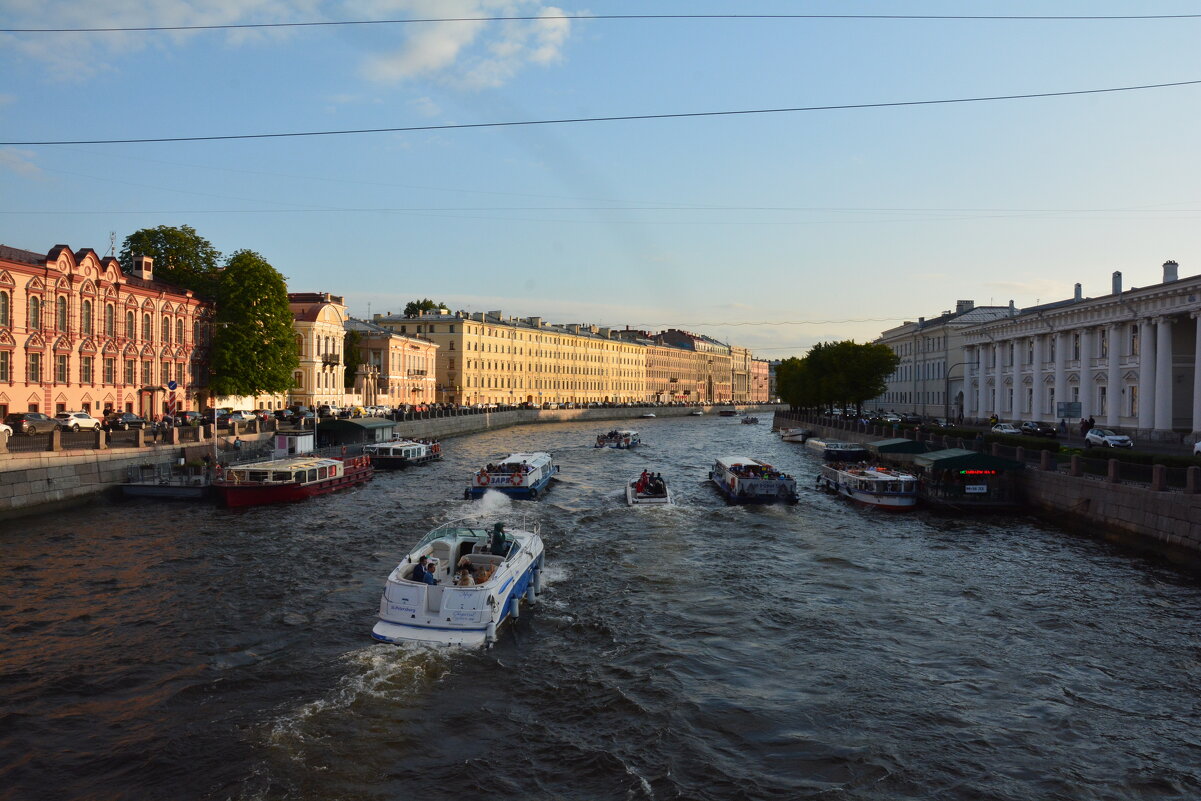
35,313
131,376
6,365
60,368
60,313
147,328
1102,405
1104,345
33,363
85,369
110,320
85,317
166,329
1075,346
110,371
130,329
1132,391
178,330
1134,340
298,380
147,373
4,309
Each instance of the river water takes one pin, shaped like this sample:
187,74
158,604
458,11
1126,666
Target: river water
171,650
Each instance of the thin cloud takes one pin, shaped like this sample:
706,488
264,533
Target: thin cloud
20,162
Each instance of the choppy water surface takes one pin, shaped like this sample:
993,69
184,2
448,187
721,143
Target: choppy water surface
173,650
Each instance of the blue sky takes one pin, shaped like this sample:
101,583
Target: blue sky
812,226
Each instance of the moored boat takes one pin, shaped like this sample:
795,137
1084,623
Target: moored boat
833,450
400,453
482,575
795,434
292,479
521,475
696,413
742,479
881,487
727,412
648,488
620,439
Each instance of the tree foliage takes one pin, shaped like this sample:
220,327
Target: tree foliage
351,356
181,257
416,307
844,374
254,348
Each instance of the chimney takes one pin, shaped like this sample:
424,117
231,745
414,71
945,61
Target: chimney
143,267
962,306
921,320
573,328
1079,293
1013,312
534,321
477,316
497,315
377,317
1171,271
1117,282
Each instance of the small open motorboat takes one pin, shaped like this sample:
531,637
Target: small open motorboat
650,490
482,576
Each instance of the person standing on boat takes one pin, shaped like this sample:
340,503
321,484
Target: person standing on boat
422,572
500,541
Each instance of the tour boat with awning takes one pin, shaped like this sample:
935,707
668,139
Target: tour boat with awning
399,453
833,450
481,576
743,479
621,439
873,485
292,479
521,475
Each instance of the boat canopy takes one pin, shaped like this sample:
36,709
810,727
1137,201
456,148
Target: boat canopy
898,445
740,461
536,459
962,459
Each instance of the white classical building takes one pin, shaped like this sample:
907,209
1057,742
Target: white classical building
1128,359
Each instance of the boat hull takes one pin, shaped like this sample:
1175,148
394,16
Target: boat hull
401,462
527,492
888,501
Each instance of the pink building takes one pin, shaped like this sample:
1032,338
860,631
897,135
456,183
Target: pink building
78,334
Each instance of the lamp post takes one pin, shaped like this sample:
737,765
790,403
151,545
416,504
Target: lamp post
946,395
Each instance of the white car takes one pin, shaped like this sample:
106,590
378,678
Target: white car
74,421
1197,448
1006,428
1105,438
6,431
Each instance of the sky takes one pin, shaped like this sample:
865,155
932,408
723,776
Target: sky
773,229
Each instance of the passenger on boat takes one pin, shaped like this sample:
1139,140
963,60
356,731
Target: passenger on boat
422,571
500,540
465,567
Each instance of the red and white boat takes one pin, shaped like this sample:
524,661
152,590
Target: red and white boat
871,485
291,479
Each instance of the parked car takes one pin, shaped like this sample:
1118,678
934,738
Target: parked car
74,421
237,416
911,418
31,422
891,418
285,415
1105,438
1034,429
184,419
1197,448
6,430
124,421
1006,428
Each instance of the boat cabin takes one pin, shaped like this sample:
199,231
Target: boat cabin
298,470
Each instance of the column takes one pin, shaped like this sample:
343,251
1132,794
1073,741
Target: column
1163,374
980,404
1061,381
998,356
1113,391
969,397
1086,372
1197,374
1036,380
1146,376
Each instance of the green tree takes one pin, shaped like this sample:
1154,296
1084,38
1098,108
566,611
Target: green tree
181,257
254,348
416,307
351,356
842,374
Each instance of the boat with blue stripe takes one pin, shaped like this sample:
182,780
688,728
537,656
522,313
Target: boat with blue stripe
481,577
744,479
520,475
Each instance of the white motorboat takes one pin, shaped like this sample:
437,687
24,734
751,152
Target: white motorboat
505,567
795,434
833,450
521,475
743,479
696,413
653,490
620,439
881,487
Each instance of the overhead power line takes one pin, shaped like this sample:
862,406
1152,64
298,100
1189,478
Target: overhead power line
590,17
623,118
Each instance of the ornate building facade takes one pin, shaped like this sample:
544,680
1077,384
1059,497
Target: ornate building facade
394,369
319,321
78,334
1130,359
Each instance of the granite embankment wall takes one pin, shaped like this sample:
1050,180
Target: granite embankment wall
32,483
1139,515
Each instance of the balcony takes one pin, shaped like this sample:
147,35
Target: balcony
417,373
331,360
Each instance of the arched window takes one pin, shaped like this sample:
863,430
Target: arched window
179,330
131,330
4,312
147,328
166,329
195,332
298,380
35,313
60,313
85,317
110,320
299,345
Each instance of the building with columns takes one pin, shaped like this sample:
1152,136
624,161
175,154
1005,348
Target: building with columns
1128,359
318,320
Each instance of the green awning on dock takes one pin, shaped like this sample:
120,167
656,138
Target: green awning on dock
962,459
898,445
353,430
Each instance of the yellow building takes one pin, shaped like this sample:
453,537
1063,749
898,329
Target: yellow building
394,369
706,371
319,320
486,357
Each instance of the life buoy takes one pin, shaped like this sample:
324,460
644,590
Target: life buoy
515,480
483,478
